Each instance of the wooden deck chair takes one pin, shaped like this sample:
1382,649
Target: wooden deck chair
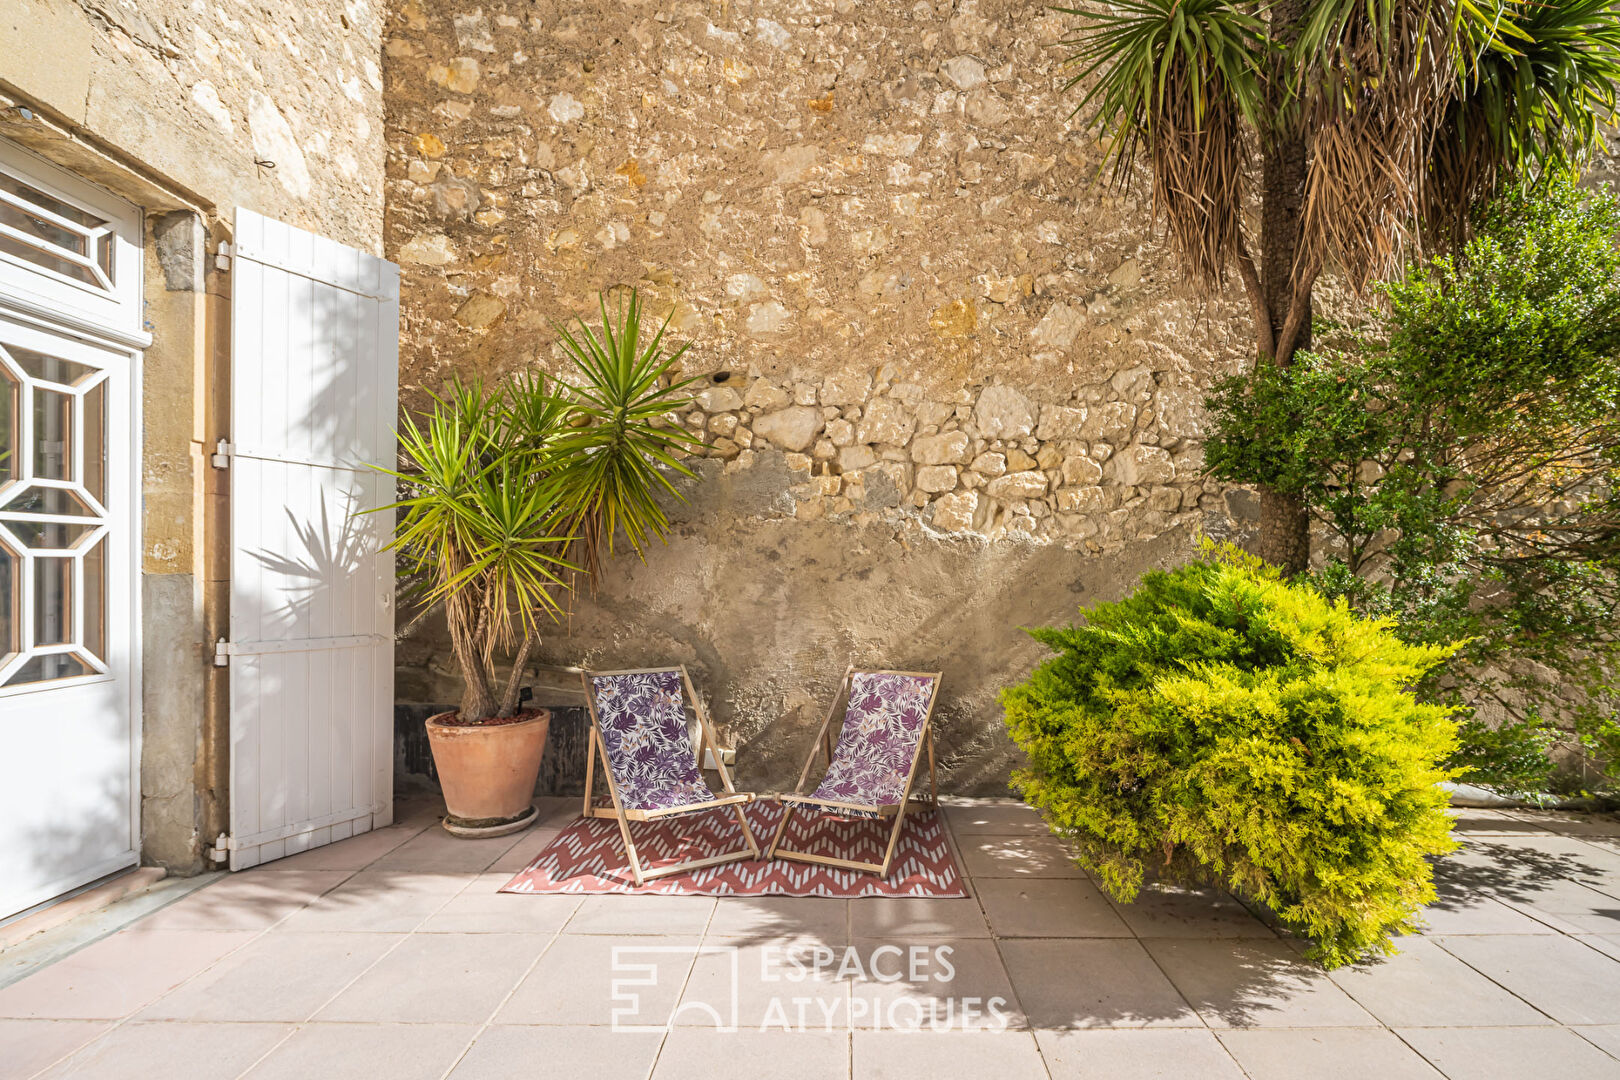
638,725
870,773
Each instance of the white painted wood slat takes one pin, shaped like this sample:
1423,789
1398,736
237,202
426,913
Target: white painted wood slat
313,389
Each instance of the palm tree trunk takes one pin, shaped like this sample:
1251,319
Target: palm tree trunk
1285,537
514,683
477,703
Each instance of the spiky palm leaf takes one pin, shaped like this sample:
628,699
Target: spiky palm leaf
480,530
1537,99
623,452
1175,81
1370,79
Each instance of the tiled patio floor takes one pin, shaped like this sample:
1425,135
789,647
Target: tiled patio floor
392,956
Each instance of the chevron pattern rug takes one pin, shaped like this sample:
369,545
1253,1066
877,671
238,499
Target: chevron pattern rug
588,858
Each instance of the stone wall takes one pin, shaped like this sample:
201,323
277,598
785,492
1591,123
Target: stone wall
277,107
951,380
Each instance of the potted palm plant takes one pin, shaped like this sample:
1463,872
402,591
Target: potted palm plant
509,496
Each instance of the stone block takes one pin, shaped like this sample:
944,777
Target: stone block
792,428
951,448
1003,413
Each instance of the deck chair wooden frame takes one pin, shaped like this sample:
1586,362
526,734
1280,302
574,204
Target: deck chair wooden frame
732,798
824,745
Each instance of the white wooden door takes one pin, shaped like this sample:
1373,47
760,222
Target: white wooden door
70,350
314,381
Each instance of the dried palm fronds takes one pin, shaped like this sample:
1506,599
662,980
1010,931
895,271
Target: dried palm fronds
1178,80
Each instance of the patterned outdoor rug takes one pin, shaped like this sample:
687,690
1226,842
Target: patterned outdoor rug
588,857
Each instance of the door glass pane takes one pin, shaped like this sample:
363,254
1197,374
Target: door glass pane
95,442
49,243
9,390
53,666
53,434
47,501
53,601
10,602
48,368
49,534
94,638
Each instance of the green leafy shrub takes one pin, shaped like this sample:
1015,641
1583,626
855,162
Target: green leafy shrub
1224,726
1511,758
1464,457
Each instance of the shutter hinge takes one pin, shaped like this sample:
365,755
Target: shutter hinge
222,260
222,653
221,851
221,457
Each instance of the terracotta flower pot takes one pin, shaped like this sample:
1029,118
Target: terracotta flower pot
488,771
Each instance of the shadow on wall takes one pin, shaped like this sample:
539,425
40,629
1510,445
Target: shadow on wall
767,611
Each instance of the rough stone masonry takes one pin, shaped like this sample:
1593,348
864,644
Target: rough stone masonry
951,380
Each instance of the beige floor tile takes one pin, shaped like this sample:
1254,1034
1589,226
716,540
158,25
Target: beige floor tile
1048,908
419,809
1170,911
250,900
899,1055
1558,975
792,984
995,820
1093,984
941,986
1147,1054
1016,856
585,980
355,853
438,978
1471,822
1571,907
1425,986
380,901
1511,1053
367,1052
527,848
1458,912
436,850
1605,1037
627,913
163,1051
117,975
1607,944
904,920
705,1054
596,1053
27,1046
1325,1054
481,908
1255,984
556,811
766,918
1570,823
277,977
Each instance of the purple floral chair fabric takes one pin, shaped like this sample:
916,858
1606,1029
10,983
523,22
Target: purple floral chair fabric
878,742
648,749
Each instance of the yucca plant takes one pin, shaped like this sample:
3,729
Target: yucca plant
509,493
1366,127
620,451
